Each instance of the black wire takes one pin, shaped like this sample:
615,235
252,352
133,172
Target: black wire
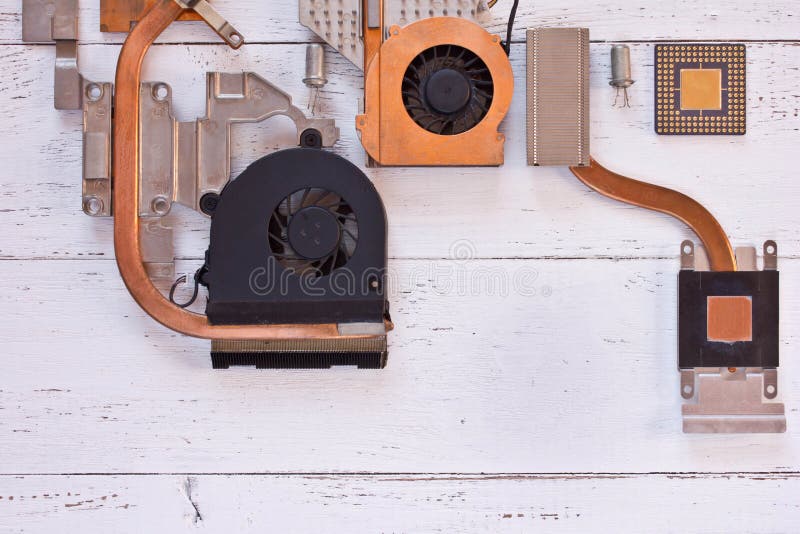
199,279
513,15
178,282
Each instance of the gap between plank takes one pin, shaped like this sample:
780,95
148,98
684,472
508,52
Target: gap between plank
436,475
518,42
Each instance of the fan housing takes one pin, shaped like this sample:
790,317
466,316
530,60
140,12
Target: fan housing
435,92
299,237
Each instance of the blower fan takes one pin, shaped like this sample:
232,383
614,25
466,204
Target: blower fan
298,237
435,94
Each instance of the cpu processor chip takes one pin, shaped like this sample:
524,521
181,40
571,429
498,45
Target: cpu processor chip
700,89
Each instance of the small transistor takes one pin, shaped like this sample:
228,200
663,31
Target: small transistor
621,73
315,78
700,89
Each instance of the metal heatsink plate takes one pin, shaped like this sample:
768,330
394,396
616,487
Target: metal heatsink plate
338,22
558,96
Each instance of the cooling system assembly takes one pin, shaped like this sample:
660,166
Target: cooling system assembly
436,86
296,266
296,263
727,308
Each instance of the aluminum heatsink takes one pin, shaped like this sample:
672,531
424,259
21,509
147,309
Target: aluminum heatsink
558,96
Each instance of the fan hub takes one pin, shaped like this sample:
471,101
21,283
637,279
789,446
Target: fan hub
448,91
314,232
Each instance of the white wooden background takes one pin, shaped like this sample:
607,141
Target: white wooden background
552,404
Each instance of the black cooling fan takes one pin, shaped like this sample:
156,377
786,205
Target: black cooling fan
447,89
298,237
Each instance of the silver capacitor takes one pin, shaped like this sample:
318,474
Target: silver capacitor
315,66
315,72
621,72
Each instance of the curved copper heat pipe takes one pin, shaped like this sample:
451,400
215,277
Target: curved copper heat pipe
126,195
654,197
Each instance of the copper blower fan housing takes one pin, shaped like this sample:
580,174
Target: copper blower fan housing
457,123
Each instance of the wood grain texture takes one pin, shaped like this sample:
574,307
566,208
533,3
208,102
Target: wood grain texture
535,336
494,366
277,21
510,211
402,503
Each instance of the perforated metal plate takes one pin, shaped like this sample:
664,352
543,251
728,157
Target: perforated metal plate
338,22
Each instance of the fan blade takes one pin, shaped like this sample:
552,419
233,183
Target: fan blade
319,201
480,105
410,95
280,239
348,232
416,72
475,119
477,72
471,61
483,93
334,258
409,107
305,196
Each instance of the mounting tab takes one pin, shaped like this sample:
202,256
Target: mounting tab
48,21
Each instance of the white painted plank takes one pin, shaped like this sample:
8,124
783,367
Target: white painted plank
277,20
571,368
512,211
578,377
401,503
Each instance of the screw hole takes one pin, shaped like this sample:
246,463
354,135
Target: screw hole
771,389
311,138
235,38
93,205
160,92
94,92
687,249
687,389
770,249
209,203
160,205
